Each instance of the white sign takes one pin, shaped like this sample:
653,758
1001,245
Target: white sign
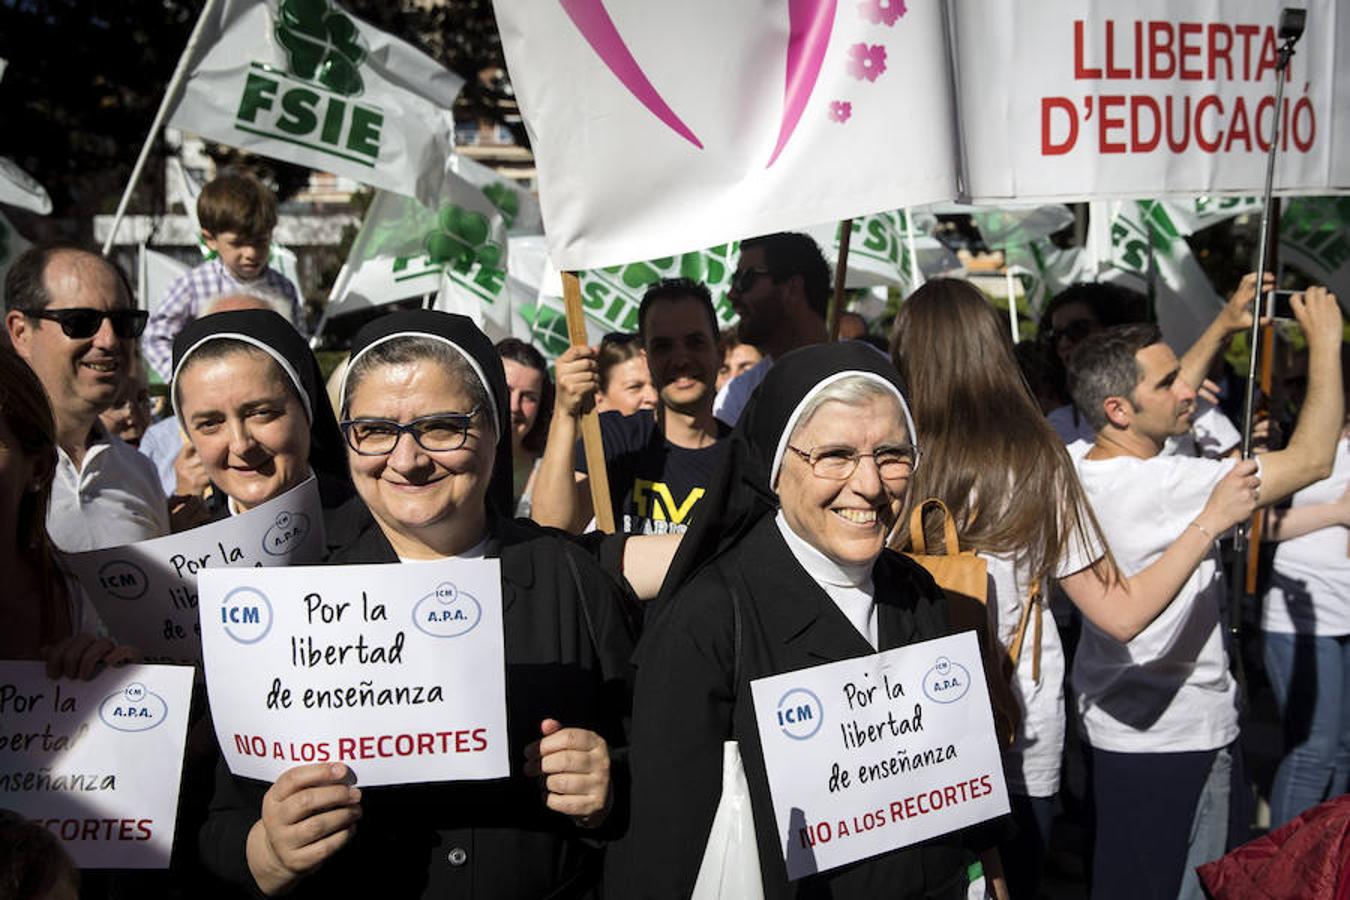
661,129
1067,99
97,762
308,83
146,593
397,670
871,754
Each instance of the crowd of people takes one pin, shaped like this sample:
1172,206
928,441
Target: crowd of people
761,481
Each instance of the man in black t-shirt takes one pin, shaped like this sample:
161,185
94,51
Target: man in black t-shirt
660,462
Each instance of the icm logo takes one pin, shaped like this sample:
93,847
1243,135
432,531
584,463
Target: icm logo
286,534
946,682
447,612
134,708
800,714
124,579
246,615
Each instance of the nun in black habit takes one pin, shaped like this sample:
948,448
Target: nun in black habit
790,543
428,432
250,397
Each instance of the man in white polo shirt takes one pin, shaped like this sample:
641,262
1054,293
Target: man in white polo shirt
1160,711
71,316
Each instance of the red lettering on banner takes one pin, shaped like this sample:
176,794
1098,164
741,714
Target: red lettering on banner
1048,146
1137,144
1113,71
1105,123
396,746
1206,101
1238,128
1158,47
1188,50
1216,53
1247,32
1079,70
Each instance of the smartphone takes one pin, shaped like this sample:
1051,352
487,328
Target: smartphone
1280,307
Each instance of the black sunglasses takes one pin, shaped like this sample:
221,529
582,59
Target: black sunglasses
84,322
745,279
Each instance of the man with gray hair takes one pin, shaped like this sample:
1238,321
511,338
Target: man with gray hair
1160,712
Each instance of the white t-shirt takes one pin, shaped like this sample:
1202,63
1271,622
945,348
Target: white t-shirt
1032,763
115,499
731,399
1169,689
1310,588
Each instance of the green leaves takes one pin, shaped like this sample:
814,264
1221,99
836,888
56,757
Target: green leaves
321,44
505,199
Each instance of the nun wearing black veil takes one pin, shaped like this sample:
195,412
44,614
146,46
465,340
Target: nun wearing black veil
250,398
427,426
793,535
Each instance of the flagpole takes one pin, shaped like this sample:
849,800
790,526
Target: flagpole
170,97
914,274
1012,300
840,274
598,476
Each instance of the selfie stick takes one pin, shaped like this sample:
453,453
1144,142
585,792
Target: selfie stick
1291,29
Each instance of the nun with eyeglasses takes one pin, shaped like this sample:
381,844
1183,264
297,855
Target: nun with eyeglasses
426,420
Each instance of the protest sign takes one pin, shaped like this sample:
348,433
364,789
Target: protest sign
1089,98
663,129
97,763
303,81
364,665
147,593
871,754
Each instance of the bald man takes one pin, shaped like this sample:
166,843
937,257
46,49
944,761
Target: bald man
70,314
179,470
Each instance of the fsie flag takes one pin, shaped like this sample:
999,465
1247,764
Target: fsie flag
304,81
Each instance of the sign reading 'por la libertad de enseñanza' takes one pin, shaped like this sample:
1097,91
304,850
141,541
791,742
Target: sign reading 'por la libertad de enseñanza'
871,754
366,665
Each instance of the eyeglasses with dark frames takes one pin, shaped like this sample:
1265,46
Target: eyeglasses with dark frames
83,322
893,461
745,279
436,433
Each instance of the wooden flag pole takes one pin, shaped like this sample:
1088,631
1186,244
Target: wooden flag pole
840,274
590,421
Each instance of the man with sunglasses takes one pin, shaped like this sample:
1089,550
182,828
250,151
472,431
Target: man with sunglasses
781,291
71,316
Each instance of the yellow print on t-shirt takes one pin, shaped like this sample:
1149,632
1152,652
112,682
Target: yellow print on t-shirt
654,501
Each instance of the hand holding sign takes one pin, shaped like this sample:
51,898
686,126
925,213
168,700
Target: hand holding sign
84,655
308,815
574,764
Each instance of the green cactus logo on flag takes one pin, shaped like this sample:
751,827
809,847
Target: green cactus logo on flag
321,44
505,199
612,295
548,329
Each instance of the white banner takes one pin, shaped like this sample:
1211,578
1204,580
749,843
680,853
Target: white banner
870,754
304,81
18,188
97,763
1070,99
365,665
12,245
147,593
662,129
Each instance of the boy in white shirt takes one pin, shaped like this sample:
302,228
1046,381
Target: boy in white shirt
1160,711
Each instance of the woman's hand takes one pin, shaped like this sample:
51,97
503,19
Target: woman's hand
577,379
1233,499
574,765
84,655
307,816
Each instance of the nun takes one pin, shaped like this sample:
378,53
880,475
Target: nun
786,569
425,416
250,398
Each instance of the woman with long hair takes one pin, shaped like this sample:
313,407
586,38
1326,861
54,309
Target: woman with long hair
1004,474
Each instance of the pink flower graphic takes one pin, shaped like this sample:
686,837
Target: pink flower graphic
882,12
840,110
866,62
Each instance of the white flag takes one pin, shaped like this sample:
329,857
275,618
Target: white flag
12,244
18,188
304,81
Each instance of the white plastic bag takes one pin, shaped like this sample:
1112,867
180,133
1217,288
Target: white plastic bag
730,868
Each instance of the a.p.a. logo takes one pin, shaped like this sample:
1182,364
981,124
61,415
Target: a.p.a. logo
285,534
123,578
246,615
134,708
800,714
447,612
946,682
